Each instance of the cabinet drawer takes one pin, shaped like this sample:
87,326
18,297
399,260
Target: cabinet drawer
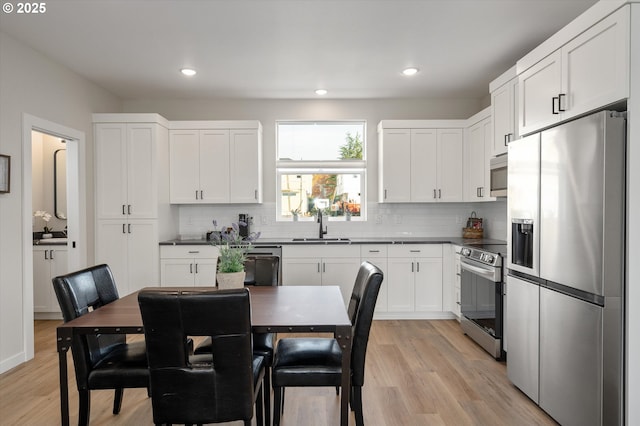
415,250
373,250
188,252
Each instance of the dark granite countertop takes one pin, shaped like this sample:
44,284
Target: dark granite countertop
367,240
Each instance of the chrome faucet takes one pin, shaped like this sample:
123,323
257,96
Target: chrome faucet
322,231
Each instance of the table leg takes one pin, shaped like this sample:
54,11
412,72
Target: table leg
343,335
64,340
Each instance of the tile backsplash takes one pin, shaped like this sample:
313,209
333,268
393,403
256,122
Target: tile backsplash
383,220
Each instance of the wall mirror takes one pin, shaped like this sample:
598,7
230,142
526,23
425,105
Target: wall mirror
60,183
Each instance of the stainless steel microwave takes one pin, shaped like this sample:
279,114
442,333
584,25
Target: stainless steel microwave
498,176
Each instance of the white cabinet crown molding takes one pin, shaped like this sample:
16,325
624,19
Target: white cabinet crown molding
504,78
130,118
215,124
478,117
421,124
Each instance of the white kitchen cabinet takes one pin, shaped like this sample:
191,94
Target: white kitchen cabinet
199,166
415,278
457,276
49,261
332,264
377,255
215,165
126,170
503,111
188,265
131,251
587,73
477,156
420,164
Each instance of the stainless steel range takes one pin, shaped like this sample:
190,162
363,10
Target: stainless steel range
481,298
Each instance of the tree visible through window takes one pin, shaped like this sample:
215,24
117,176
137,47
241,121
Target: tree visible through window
321,167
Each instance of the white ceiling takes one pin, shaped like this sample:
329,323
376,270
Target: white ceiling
285,49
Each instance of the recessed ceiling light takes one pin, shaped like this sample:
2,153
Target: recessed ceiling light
410,71
188,72
321,92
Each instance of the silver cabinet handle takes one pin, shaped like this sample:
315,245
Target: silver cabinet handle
553,105
374,251
51,254
560,96
196,194
129,228
194,251
439,193
414,251
196,268
45,255
191,268
417,266
412,267
385,194
124,229
201,196
318,267
123,212
128,208
323,267
255,194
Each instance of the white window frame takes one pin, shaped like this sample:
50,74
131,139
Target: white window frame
356,167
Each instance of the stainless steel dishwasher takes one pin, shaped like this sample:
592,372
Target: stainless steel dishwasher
269,250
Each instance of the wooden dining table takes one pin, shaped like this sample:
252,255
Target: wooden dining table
290,309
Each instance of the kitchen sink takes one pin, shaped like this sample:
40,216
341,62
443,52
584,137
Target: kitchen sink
346,240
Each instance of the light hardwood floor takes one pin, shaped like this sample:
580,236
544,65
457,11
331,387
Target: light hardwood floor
418,373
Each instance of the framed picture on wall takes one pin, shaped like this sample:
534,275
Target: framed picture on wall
5,173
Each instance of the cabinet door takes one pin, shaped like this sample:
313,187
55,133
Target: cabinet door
502,114
595,65
142,173
341,272
401,285
538,86
395,179
428,284
111,248
476,162
59,266
205,272
111,170
143,254
245,173
214,166
184,169
176,272
424,164
450,165
41,280
301,271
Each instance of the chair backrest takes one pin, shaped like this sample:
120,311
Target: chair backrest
369,289
205,388
356,293
79,293
262,270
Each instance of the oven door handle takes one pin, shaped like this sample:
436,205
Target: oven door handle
483,272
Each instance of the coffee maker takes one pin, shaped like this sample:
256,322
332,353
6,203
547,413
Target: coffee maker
244,224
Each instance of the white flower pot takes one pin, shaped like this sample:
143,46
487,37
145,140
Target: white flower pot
227,280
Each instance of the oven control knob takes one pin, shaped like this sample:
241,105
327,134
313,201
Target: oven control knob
465,252
488,258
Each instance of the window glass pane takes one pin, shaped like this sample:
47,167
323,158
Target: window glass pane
320,141
336,194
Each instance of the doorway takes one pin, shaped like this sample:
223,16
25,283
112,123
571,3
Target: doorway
75,206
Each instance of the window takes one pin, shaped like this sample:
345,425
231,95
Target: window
321,166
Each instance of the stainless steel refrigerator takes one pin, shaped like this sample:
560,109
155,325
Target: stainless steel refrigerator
565,282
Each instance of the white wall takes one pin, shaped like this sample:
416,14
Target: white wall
31,83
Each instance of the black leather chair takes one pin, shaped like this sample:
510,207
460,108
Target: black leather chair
103,361
214,387
318,361
259,271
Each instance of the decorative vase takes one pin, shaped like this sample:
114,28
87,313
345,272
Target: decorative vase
47,235
295,217
227,280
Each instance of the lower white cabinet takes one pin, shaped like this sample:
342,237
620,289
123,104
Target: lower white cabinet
334,264
456,281
377,254
188,265
415,278
130,248
48,262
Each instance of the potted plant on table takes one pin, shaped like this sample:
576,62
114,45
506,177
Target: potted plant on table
233,253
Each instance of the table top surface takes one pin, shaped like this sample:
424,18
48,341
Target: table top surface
276,308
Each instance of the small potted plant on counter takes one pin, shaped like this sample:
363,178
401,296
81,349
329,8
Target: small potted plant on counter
46,217
233,253
295,213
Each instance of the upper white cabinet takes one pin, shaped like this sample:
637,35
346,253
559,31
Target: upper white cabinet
211,164
586,73
126,171
504,94
478,142
421,163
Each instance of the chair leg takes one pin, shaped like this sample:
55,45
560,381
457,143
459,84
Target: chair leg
277,405
84,402
117,400
267,396
259,411
356,405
